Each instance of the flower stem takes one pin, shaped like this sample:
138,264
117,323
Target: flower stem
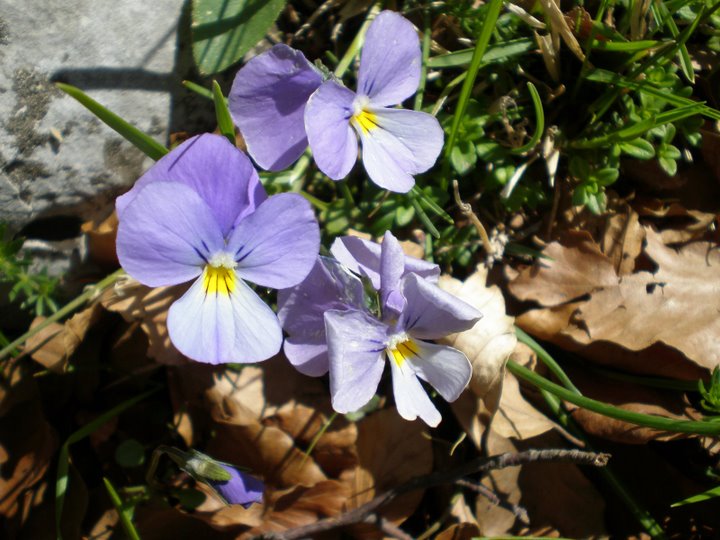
89,294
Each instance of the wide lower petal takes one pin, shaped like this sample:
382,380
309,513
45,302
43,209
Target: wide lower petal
220,327
221,174
400,144
166,234
390,60
431,312
446,369
327,123
267,102
411,399
278,244
363,257
356,350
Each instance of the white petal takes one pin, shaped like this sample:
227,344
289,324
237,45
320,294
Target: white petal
446,369
410,397
218,328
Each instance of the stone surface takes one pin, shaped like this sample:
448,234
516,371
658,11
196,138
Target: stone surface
56,158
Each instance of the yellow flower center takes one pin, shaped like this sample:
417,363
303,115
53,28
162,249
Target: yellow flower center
364,120
402,348
219,275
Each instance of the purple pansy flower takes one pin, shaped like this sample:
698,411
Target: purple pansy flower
330,285
200,213
273,90
413,309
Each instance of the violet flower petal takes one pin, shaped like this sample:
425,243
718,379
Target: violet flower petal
218,328
221,174
432,313
327,122
166,235
267,102
301,311
242,488
402,143
392,267
363,257
411,399
278,244
446,369
390,60
356,349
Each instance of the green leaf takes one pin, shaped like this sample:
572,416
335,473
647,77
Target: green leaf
123,512
222,113
146,144
495,53
669,151
704,496
638,148
668,165
463,157
224,30
404,215
130,453
606,176
579,168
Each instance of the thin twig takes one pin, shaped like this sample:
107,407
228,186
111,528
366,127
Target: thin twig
478,465
387,527
324,7
517,510
467,211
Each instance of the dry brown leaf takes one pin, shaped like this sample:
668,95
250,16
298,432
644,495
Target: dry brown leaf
460,531
303,506
556,20
390,452
575,268
557,496
679,223
101,241
515,417
489,343
622,240
136,302
53,346
677,305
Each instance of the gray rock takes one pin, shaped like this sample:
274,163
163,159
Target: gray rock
56,158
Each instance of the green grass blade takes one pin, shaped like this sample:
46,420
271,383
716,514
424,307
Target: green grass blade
142,141
494,7
125,520
222,113
62,478
662,11
604,76
704,496
430,204
495,53
200,90
548,360
639,419
631,132
624,46
422,215
539,121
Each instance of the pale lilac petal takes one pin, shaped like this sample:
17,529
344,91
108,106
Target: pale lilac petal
308,355
327,122
392,267
356,348
432,313
390,61
363,257
411,399
402,144
242,488
278,244
166,235
218,328
267,102
220,173
446,369
301,311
